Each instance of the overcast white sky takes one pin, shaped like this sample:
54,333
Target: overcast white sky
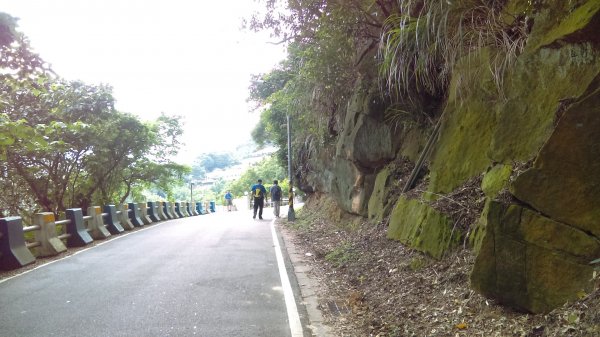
180,57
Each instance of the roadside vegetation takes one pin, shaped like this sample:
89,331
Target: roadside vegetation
63,144
373,286
402,54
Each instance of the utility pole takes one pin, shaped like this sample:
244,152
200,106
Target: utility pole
291,213
191,193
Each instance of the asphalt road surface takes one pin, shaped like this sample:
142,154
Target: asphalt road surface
211,275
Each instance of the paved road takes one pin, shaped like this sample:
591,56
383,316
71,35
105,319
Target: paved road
212,275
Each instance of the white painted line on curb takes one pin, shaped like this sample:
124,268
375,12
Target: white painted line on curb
290,302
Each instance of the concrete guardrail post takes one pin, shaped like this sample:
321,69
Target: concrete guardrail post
96,223
153,212
124,217
46,235
184,209
76,227
181,209
167,210
170,206
174,210
178,210
134,215
112,220
12,244
144,213
200,208
160,208
192,207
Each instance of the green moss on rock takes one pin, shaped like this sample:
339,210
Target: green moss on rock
479,229
531,262
421,227
378,199
413,143
534,88
467,129
578,19
496,179
564,182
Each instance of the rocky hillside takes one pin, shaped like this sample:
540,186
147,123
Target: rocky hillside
505,163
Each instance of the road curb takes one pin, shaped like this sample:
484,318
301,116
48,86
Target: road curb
308,286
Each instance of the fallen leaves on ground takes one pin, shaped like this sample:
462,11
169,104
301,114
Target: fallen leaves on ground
392,290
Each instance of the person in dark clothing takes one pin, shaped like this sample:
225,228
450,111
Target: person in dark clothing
228,201
258,193
276,198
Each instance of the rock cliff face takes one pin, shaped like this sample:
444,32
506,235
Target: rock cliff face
533,139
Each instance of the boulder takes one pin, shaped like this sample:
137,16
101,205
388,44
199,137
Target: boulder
378,202
421,227
366,140
350,187
531,262
564,182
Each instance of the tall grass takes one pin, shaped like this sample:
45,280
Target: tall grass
424,40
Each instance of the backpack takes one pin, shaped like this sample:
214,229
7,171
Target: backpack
258,193
276,193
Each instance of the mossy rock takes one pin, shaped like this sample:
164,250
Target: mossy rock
482,126
413,143
564,182
421,227
467,129
531,262
378,199
479,229
367,140
535,88
350,187
496,179
579,21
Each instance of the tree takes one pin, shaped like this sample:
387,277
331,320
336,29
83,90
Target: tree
268,170
332,48
209,162
63,144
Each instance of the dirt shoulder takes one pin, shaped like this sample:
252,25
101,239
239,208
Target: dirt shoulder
373,286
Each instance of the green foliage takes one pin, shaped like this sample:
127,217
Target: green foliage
332,49
209,162
423,41
330,45
341,255
267,170
62,143
417,263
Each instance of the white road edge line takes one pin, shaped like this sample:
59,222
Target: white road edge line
290,302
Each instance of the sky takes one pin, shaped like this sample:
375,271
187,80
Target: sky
180,57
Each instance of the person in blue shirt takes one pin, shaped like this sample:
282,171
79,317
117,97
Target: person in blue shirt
258,193
228,201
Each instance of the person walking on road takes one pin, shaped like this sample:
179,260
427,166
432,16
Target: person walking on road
228,201
276,198
258,193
